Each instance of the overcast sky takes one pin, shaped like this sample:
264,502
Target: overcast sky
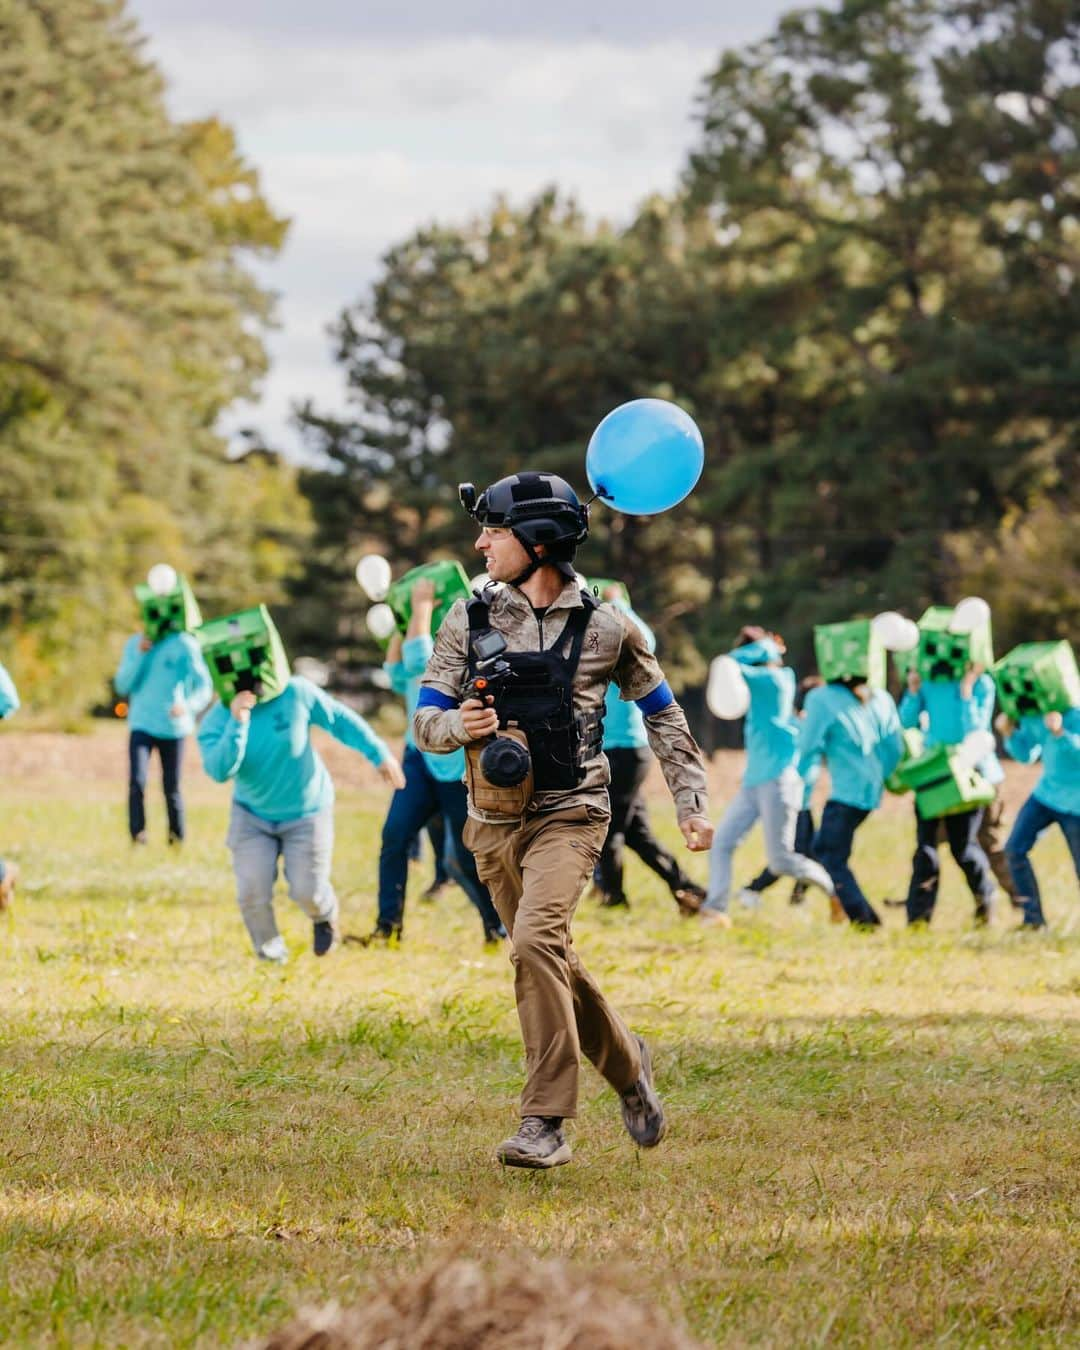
368,118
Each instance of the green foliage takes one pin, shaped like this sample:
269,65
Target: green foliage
865,294
128,322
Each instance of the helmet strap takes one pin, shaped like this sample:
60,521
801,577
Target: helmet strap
535,560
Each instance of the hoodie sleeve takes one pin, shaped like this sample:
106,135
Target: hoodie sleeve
812,732
758,653
977,712
912,707
198,686
891,743
9,698
343,724
1025,744
132,669
222,743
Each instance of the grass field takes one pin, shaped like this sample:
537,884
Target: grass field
873,1139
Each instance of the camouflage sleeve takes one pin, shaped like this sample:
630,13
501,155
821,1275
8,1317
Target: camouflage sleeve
641,681
681,760
437,724
637,671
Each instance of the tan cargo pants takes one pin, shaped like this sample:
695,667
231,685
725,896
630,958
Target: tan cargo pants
536,870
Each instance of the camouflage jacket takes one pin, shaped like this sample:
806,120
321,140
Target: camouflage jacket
614,649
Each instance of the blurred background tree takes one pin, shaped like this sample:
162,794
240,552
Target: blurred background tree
864,291
128,323
865,294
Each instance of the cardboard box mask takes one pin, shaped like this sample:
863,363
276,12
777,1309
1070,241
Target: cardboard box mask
850,651
244,651
1037,677
175,612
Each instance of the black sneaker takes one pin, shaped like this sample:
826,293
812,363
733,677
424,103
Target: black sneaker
798,893
324,936
642,1113
614,902
539,1142
494,937
433,891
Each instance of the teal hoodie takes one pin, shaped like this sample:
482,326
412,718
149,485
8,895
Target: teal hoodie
950,716
405,676
279,774
1059,786
9,698
770,733
862,742
624,725
171,674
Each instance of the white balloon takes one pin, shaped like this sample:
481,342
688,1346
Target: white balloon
374,575
969,614
895,633
974,748
311,668
380,621
162,578
727,694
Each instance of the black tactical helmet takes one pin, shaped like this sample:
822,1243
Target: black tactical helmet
540,508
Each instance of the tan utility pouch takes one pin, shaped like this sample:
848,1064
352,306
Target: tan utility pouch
485,796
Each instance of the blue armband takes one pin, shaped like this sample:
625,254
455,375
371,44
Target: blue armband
660,698
435,698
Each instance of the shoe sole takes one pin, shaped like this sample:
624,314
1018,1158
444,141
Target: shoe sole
556,1159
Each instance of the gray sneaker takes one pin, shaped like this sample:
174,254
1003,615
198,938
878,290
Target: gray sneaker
642,1113
539,1142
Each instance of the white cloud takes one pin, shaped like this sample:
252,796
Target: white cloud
362,141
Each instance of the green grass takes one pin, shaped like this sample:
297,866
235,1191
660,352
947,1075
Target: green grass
872,1139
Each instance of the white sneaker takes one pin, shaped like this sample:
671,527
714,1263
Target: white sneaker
749,899
274,950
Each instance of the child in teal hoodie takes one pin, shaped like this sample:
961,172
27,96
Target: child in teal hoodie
856,730
167,685
283,803
772,789
947,711
9,703
1053,738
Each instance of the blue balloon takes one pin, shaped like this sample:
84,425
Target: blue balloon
645,456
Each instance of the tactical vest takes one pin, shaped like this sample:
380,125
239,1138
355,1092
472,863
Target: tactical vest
540,700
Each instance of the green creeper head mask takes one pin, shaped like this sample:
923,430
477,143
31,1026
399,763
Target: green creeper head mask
244,652
175,611
1037,677
850,651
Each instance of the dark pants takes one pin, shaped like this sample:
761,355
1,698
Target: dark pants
832,848
630,827
411,807
962,833
1034,818
436,833
171,752
804,844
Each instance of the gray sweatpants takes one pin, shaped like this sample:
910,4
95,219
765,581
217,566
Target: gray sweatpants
306,845
776,804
